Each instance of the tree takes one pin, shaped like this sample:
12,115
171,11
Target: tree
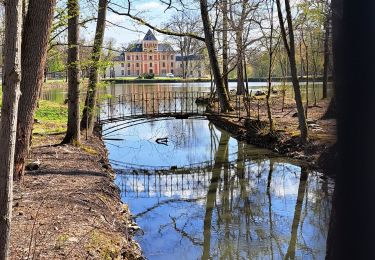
224,6
35,38
210,44
87,122
327,25
73,130
271,50
8,123
290,49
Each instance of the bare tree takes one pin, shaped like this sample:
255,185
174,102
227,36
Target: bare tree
210,44
36,31
88,116
8,123
73,129
290,49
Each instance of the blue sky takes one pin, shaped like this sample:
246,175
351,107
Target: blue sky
152,11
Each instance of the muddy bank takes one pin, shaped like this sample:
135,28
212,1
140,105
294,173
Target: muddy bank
70,207
318,153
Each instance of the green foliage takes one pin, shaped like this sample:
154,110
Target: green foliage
147,76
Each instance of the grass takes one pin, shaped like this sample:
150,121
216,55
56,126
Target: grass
52,118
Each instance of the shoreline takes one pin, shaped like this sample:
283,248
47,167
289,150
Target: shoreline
316,155
70,207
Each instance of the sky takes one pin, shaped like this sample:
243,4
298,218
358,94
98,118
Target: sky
152,11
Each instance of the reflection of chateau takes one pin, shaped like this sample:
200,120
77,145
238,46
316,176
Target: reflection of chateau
152,57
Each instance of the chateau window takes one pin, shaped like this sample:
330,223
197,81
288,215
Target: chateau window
171,57
128,57
136,57
163,64
150,57
163,57
122,65
151,65
128,72
122,72
172,71
137,65
172,64
128,65
137,72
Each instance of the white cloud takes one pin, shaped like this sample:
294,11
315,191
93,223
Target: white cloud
149,6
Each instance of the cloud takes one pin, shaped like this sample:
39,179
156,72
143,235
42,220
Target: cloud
149,6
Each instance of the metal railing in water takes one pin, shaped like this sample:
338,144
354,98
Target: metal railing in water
160,104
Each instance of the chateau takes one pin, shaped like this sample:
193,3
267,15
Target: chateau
152,57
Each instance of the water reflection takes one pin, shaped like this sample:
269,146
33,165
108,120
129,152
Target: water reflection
245,204
60,94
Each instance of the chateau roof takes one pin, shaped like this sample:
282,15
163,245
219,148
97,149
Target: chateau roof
149,36
137,47
189,57
165,47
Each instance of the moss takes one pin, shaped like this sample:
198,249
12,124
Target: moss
107,246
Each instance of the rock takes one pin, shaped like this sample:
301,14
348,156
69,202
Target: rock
259,93
295,114
33,166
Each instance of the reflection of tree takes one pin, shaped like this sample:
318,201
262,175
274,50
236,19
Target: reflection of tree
291,253
221,157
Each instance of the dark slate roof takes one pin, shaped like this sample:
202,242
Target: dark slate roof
136,47
165,47
189,57
149,36
121,57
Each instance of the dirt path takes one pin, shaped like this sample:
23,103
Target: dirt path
70,207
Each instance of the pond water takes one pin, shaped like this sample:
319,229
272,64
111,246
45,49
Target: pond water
60,94
205,195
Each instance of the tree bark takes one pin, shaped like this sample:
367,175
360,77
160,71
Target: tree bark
73,130
240,54
290,49
210,44
8,123
224,4
269,112
88,117
326,53
35,38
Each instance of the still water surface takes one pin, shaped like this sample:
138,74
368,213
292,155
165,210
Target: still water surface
205,195
60,94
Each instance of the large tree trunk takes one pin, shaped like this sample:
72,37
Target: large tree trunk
73,130
8,123
326,53
88,117
210,44
290,48
352,226
35,37
240,55
224,4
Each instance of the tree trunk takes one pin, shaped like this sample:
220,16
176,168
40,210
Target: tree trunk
8,123
240,54
210,44
225,43
73,130
290,48
269,112
326,54
87,122
35,38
